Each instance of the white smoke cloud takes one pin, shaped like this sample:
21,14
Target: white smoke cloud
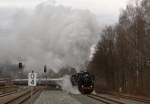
67,86
49,34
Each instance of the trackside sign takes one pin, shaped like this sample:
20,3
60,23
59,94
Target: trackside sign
32,79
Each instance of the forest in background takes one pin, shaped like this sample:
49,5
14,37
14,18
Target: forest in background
121,62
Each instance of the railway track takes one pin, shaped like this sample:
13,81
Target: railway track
147,101
104,99
7,90
20,99
7,93
129,97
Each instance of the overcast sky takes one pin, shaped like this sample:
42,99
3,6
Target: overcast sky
107,10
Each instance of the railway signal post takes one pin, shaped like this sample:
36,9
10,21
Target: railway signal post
45,70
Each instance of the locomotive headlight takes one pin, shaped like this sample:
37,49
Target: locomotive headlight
91,86
82,86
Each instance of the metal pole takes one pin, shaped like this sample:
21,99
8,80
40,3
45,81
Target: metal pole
137,74
46,79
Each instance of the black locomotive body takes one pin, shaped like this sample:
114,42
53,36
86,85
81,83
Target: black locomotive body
84,81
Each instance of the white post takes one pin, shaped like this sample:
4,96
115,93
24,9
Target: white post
31,95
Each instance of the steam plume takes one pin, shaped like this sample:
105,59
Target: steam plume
48,34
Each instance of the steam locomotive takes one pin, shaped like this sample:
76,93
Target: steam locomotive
85,82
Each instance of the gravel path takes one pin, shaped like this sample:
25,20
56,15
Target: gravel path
56,97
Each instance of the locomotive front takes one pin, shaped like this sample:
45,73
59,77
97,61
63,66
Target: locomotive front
84,81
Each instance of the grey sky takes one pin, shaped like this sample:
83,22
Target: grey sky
106,9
